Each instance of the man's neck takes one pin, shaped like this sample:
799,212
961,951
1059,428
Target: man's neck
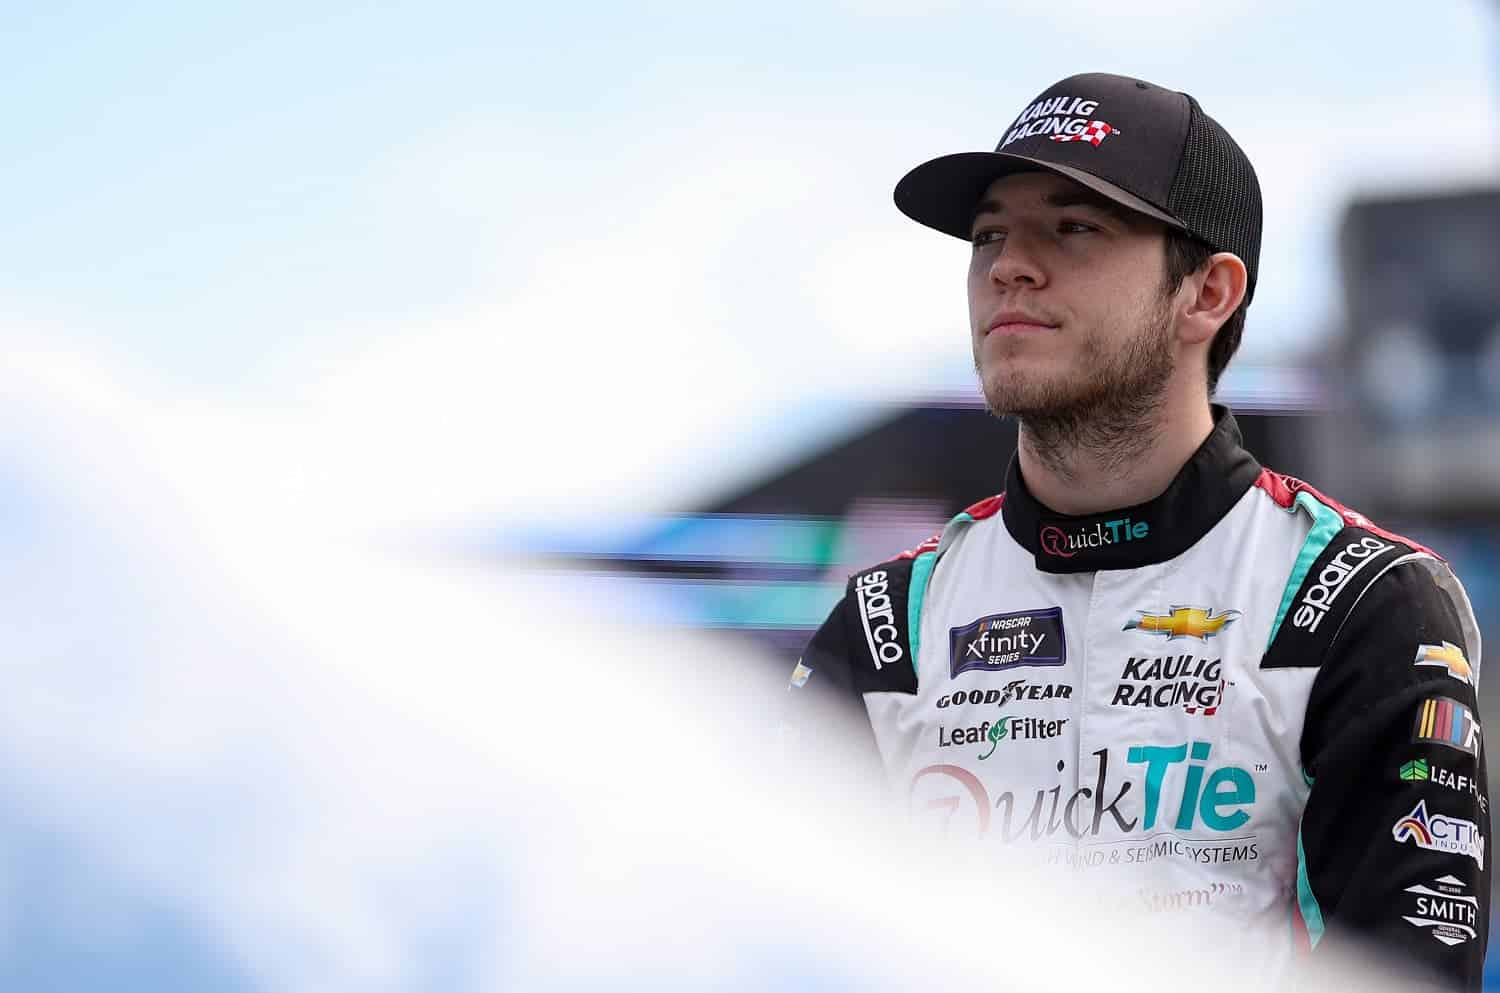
1087,468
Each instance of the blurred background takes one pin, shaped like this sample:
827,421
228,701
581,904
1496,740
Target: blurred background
382,381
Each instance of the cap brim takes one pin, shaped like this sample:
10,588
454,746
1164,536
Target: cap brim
943,193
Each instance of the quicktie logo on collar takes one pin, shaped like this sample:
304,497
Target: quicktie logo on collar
1068,542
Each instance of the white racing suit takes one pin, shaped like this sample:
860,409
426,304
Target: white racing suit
1239,697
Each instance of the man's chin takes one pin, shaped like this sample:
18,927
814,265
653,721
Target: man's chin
1008,398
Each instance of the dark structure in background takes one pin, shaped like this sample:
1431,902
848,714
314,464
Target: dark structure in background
1418,364
765,564
1415,429
952,456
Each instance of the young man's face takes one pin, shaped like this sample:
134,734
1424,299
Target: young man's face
1066,301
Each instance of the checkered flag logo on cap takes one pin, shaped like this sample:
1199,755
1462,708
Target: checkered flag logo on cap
1093,133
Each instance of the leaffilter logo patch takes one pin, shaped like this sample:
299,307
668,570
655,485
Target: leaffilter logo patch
1005,641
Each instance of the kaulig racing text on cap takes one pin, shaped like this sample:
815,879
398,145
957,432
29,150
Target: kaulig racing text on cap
1147,148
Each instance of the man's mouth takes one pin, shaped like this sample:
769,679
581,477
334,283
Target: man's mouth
1019,322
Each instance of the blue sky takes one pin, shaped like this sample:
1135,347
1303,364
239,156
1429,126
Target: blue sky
362,221
284,283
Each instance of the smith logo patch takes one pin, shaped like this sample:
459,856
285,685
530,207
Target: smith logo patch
1445,909
1005,641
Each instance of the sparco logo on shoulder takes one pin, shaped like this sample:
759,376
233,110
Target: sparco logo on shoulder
878,618
1332,579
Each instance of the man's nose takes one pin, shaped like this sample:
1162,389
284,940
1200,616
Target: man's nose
1017,263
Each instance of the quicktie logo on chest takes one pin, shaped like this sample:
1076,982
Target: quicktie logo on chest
872,591
1217,798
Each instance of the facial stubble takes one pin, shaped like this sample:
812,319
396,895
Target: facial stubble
1104,412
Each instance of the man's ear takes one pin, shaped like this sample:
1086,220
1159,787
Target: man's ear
1212,295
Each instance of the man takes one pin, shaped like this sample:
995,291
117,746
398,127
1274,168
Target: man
1201,681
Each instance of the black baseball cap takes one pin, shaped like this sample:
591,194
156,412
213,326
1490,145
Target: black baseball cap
1150,149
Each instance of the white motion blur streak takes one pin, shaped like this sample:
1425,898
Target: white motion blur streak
362,770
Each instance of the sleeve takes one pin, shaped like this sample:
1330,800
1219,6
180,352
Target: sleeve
825,725
1392,860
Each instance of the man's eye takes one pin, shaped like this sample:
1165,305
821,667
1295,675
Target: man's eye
982,238
1075,227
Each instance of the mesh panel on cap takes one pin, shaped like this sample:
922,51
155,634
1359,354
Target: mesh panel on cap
1216,192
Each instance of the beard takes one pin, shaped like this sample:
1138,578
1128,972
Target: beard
1104,409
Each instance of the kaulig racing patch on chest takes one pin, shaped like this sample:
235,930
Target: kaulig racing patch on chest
1334,583
1005,641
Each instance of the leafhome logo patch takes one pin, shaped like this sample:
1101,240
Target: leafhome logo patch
1415,771
1446,656
1423,771
1017,689
1066,544
800,675
1061,119
1196,685
878,618
1333,578
1184,622
1004,641
1440,833
1444,909
1445,721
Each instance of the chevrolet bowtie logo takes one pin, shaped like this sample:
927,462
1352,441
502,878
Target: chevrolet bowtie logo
1450,657
1184,622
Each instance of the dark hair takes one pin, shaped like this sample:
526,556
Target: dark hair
1185,256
